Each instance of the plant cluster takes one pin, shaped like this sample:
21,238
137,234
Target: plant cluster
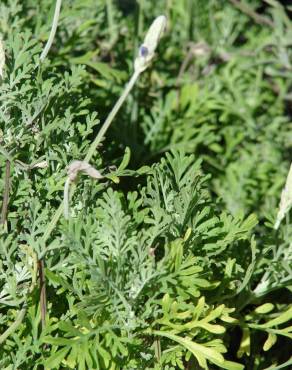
167,256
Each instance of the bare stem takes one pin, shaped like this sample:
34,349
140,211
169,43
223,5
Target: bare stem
245,8
6,194
43,293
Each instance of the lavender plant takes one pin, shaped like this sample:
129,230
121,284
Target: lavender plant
167,257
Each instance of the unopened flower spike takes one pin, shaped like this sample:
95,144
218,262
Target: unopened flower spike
147,49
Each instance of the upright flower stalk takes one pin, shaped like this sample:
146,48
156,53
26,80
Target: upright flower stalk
142,61
145,55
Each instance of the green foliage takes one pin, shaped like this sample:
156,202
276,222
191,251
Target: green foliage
171,260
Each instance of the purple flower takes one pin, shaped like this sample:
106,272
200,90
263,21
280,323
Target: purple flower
143,51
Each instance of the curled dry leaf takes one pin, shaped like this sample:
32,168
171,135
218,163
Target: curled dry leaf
83,166
42,164
73,169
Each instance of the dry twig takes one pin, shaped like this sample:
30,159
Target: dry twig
4,210
246,9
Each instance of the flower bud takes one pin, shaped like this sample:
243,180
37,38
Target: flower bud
147,49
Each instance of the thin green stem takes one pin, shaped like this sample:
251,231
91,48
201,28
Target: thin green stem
66,198
53,31
53,222
111,116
